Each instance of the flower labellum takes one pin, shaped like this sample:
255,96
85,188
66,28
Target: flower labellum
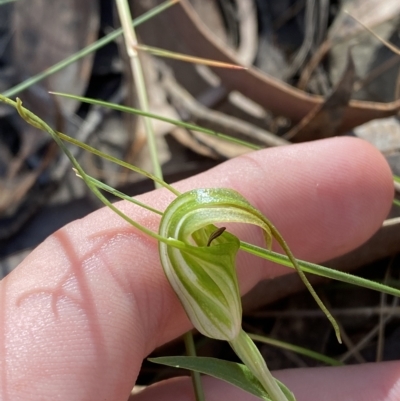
202,272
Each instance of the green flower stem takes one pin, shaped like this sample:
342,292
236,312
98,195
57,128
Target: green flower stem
30,118
295,348
35,121
196,378
119,194
319,270
247,351
112,159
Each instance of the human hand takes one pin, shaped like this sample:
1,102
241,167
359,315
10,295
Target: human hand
83,310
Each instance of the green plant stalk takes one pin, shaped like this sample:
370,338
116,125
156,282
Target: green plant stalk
247,351
119,194
322,271
195,376
33,120
295,348
137,71
85,51
112,159
177,123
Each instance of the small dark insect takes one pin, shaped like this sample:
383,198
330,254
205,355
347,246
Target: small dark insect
215,234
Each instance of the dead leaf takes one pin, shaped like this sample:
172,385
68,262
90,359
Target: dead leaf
324,120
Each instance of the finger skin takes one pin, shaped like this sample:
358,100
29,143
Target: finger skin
369,382
81,312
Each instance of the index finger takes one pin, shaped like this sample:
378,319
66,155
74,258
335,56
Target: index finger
82,311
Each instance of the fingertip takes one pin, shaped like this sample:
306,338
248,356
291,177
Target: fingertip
333,195
362,188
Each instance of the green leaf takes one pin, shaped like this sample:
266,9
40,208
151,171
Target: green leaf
234,373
